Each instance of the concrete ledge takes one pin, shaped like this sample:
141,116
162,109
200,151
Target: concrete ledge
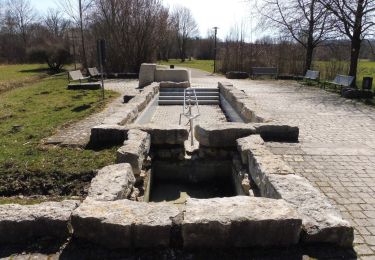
275,179
164,134
133,108
243,104
321,221
124,223
174,75
135,150
253,143
240,222
106,135
146,74
277,132
22,224
222,135
114,182
170,84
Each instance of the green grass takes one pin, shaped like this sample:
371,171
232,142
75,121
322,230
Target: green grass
329,69
206,65
38,109
13,76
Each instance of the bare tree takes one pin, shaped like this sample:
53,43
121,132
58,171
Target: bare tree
185,28
134,31
23,15
78,11
355,19
306,21
56,23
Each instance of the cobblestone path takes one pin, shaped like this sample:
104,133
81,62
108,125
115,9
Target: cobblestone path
336,150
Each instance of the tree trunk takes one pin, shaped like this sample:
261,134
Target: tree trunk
354,56
309,57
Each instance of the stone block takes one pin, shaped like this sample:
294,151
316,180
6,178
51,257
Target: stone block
240,222
277,132
103,135
135,150
164,134
146,74
114,182
174,75
124,224
321,221
170,84
21,224
222,135
245,144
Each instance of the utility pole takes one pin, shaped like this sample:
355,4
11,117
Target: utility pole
82,36
215,49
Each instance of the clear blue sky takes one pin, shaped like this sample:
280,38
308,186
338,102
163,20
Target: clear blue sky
208,13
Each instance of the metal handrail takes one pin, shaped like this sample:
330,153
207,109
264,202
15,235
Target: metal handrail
187,110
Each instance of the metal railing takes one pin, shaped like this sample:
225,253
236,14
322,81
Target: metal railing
190,97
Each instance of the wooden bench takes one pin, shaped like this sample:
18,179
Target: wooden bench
76,75
312,75
341,81
264,71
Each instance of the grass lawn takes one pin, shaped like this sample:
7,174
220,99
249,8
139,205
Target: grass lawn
12,76
328,69
206,65
31,113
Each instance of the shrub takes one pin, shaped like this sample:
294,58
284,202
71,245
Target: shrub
55,56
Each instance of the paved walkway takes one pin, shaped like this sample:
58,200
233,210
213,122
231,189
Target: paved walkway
336,150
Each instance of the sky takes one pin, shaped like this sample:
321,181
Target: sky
208,13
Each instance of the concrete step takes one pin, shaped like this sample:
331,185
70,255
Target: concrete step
181,102
182,93
182,98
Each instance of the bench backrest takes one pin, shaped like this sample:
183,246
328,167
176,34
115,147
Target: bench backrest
76,75
265,70
312,74
343,80
93,72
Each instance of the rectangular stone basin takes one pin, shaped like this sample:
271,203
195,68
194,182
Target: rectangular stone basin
201,179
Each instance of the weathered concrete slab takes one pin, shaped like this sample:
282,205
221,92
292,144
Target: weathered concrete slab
255,143
135,150
146,74
240,222
244,105
108,135
164,134
174,75
124,223
170,84
22,224
123,117
222,135
114,182
321,221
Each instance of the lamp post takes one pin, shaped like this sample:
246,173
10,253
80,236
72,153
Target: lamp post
215,49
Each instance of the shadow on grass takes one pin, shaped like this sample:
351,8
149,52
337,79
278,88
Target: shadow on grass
81,108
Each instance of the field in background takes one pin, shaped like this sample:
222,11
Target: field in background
329,69
13,76
33,112
206,65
